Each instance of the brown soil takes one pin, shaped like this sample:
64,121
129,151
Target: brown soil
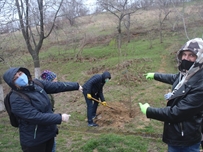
116,116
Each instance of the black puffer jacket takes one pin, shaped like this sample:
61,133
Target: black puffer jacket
183,114
94,85
37,122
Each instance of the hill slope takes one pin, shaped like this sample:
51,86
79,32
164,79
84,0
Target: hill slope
94,42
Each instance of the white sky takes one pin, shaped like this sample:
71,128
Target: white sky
90,4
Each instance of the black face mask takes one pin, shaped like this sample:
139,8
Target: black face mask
185,65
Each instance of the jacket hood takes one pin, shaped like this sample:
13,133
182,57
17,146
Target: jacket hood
10,73
193,45
105,75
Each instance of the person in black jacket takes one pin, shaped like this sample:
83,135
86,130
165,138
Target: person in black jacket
37,122
182,116
51,77
94,88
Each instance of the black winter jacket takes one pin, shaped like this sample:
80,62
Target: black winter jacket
37,122
183,114
94,85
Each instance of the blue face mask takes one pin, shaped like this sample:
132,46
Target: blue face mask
22,80
106,80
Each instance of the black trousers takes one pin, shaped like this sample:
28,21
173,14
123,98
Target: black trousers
91,107
43,147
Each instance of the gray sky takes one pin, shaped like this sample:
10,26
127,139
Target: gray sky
90,4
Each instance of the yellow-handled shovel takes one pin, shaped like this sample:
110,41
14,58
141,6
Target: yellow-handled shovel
101,103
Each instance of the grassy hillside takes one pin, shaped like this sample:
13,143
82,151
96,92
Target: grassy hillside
123,130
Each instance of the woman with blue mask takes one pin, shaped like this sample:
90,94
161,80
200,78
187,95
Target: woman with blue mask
37,122
94,88
20,79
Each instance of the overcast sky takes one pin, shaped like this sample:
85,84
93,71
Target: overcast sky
90,4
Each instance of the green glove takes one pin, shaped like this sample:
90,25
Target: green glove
144,107
149,76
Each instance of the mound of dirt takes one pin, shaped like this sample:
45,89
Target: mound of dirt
116,117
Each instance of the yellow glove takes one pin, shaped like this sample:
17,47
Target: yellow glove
104,103
89,96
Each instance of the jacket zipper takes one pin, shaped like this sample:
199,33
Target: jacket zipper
181,128
35,133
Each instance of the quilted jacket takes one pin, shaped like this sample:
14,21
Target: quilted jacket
37,122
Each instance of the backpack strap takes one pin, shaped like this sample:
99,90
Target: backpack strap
36,81
22,95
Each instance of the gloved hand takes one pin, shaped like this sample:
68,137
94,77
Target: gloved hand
104,103
144,107
89,96
80,88
168,95
65,117
149,76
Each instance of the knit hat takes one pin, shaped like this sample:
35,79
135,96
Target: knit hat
48,75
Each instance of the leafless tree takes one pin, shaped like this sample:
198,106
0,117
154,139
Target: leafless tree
1,96
146,3
127,25
120,9
182,15
164,11
71,9
2,107
200,12
31,18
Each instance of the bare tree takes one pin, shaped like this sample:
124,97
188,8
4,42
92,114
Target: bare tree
120,9
31,17
182,15
127,25
71,9
146,3
1,96
164,11
2,107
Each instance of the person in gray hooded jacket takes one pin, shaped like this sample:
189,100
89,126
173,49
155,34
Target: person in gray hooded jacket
37,122
182,116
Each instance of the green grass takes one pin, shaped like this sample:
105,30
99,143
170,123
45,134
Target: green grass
9,138
127,74
117,143
112,142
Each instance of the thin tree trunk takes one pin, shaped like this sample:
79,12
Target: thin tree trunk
2,107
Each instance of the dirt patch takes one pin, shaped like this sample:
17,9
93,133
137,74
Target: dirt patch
115,118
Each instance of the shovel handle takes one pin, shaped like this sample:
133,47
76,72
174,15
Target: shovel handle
96,100
101,102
